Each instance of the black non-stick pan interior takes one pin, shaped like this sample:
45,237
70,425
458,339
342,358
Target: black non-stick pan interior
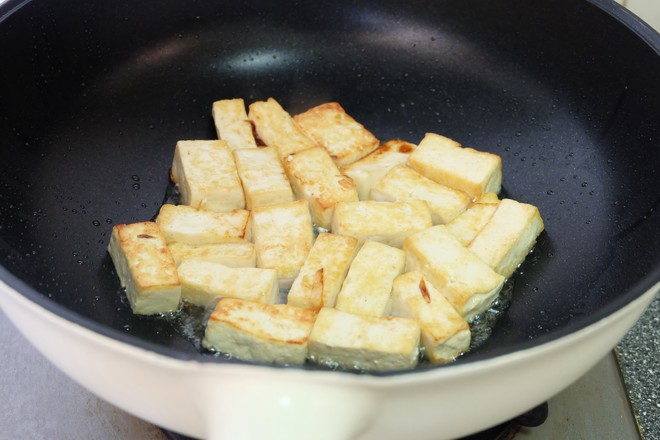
94,96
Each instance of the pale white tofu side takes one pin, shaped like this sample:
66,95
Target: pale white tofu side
206,176
229,254
404,183
321,277
145,268
263,177
509,235
445,334
371,168
364,343
232,124
184,224
315,178
386,222
464,279
368,285
203,281
445,161
467,225
259,332
283,236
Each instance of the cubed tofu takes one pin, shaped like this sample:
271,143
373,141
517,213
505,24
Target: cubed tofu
445,161
368,285
371,168
355,342
276,127
283,236
202,282
206,176
263,177
404,183
184,224
318,283
145,268
445,334
232,124
508,236
259,332
345,139
386,222
467,225
464,279
229,254
315,178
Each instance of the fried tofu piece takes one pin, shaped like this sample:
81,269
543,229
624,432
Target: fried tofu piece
229,254
263,177
318,283
145,268
355,342
404,183
257,332
467,225
464,279
205,173
203,281
445,334
184,224
283,236
386,222
445,161
232,124
345,139
315,178
509,235
368,285
276,127
373,167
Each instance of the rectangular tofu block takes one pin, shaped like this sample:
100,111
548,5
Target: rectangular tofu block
364,343
368,284
315,178
145,268
263,177
373,167
386,222
229,254
404,183
467,225
466,169
509,235
232,124
259,332
204,281
184,224
318,283
345,139
206,176
464,279
283,236
445,334
276,127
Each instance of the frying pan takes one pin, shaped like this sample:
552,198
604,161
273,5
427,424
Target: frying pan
96,94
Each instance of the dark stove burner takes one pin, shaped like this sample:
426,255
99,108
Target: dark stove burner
503,431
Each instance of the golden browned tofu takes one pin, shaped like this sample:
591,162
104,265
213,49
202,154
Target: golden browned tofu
263,177
445,161
276,127
315,178
206,176
467,225
345,139
184,224
232,124
145,268
509,235
229,254
259,332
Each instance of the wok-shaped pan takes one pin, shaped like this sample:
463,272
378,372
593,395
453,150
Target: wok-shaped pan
94,96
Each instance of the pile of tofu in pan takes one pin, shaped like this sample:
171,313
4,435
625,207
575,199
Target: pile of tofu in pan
312,241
